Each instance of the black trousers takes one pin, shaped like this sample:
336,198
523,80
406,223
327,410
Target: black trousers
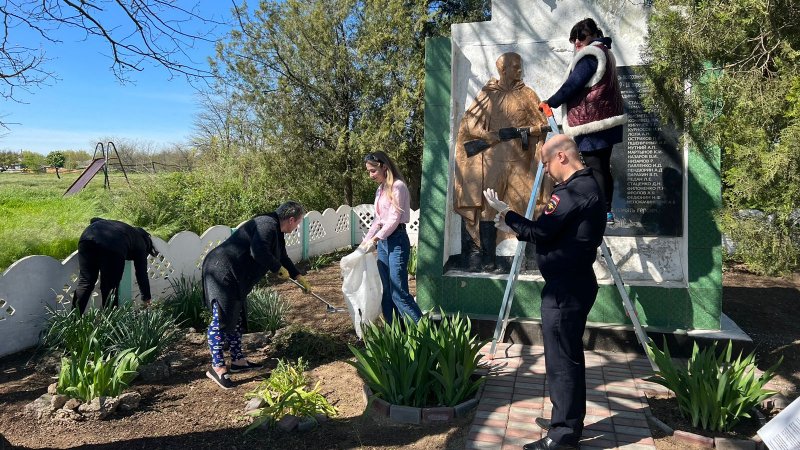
566,303
600,162
94,259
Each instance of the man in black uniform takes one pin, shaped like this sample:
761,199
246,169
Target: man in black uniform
567,236
232,269
104,247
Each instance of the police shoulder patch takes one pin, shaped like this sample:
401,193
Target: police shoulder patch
552,204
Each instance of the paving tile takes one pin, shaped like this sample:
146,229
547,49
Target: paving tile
482,445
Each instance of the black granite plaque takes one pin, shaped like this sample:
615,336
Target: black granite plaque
647,168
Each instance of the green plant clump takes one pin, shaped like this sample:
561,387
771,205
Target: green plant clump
149,328
412,261
298,341
266,310
713,391
286,392
420,364
89,373
186,304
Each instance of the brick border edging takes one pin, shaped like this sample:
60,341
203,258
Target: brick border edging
705,441
416,416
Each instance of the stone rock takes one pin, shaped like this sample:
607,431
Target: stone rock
52,389
178,362
196,338
155,371
306,423
253,404
255,341
58,401
41,407
72,404
288,422
68,415
321,418
128,401
99,408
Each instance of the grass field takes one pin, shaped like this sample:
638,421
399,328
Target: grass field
36,220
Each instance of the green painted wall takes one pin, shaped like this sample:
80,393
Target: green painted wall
699,306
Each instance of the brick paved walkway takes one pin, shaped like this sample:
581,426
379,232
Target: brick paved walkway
516,392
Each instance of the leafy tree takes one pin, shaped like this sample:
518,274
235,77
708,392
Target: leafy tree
325,82
56,159
742,61
75,158
31,160
8,159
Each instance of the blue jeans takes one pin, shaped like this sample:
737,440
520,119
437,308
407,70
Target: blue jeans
393,255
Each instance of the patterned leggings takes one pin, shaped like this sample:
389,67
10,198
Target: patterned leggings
217,339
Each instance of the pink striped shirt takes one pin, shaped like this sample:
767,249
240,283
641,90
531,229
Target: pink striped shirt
387,217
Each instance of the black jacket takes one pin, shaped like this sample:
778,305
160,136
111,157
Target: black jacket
244,258
127,242
569,231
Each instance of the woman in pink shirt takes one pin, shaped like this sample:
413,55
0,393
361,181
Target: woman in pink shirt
388,233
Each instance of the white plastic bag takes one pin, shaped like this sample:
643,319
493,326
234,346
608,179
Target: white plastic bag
362,287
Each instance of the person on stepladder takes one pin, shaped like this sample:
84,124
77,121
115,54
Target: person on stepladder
567,236
595,109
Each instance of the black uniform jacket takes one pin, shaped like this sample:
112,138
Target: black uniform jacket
125,241
244,258
569,231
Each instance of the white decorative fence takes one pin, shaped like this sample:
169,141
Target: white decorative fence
31,284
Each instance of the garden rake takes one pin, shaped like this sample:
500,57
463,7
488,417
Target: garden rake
508,296
328,307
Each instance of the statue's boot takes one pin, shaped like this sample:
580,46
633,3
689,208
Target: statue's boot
488,234
470,252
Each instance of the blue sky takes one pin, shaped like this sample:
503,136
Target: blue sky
88,104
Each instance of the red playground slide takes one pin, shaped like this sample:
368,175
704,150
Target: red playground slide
86,176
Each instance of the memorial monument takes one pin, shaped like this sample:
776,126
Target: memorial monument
665,241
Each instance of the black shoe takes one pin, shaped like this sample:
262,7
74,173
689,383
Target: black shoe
543,423
235,368
546,443
224,380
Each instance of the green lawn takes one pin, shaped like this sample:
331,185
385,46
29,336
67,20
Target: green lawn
36,220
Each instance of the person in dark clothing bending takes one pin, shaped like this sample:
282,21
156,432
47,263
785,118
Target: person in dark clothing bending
595,111
103,248
232,269
567,236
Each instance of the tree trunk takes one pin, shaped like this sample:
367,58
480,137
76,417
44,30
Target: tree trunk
57,175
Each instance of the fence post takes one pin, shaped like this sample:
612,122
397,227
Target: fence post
304,239
353,223
126,285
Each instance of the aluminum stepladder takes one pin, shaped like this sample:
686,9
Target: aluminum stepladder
508,295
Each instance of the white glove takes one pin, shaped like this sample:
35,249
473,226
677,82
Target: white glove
500,224
367,246
494,202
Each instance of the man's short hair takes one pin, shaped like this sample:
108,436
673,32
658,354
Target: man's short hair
290,209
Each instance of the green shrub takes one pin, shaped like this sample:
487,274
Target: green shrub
321,261
285,392
420,364
151,328
186,303
266,310
713,391
68,331
89,373
767,247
